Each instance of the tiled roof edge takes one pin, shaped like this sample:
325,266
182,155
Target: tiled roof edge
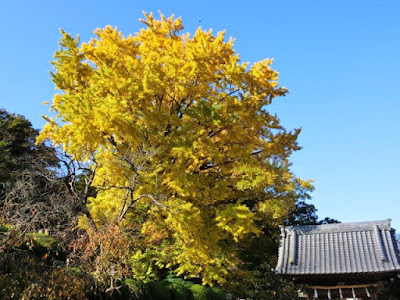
340,227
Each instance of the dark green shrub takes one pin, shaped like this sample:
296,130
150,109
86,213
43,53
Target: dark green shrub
134,289
180,289
217,294
159,290
201,292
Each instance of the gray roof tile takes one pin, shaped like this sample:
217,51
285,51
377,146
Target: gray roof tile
363,247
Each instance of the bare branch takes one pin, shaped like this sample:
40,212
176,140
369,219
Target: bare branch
132,201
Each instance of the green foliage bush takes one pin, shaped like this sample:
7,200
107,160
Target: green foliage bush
180,289
168,289
218,294
201,292
159,290
135,289
265,284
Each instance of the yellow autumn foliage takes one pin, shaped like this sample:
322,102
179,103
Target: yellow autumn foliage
177,130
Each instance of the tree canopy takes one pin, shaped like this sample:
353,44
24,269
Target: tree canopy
185,156
17,140
306,214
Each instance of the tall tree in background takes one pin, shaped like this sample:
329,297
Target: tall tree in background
34,192
35,196
26,175
185,156
17,141
306,214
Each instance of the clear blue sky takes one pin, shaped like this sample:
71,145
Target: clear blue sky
339,59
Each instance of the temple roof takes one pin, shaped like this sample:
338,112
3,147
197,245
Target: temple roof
363,247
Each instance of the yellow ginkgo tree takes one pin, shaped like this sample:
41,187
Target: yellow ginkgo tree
186,158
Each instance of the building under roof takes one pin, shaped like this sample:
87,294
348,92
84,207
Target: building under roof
339,260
